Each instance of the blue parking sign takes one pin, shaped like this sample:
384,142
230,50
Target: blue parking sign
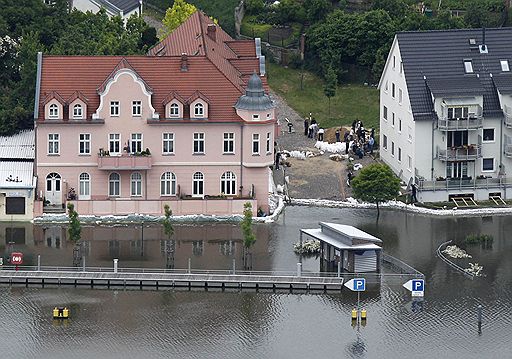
356,284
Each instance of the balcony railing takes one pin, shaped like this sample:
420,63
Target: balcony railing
124,162
508,146
460,124
507,114
465,153
463,183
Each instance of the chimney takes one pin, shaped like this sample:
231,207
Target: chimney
212,32
483,36
483,47
184,62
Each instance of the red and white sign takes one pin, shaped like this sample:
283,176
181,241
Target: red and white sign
16,258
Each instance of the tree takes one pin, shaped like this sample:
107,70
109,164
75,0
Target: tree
375,183
254,7
316,10
330,85
169,231
74,228
248,234
175,16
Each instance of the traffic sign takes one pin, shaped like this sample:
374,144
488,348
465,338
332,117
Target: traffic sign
416,287
17,258
356,284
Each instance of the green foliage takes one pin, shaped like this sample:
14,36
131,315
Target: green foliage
479,238
175,16
168,228
331,81
316,10
254,7
350,102
375,183
74,227
30,26
246,225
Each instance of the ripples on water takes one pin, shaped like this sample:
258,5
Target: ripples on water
176,324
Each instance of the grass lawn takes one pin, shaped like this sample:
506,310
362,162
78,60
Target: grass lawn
351,101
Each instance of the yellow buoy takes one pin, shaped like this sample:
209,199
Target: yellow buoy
354,314
65,313
55,312
363,314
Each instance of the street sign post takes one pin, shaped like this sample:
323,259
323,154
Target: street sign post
17,259
416,287
356,284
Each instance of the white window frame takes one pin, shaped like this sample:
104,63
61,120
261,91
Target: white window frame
172,107
53,111
399,154
199,109
393,90
409,134
113,139
198,143
269,143
84,186
385,142
504,65
385,113
228,140
255,117
198,184
115,109
392,119
84,143
136,143
53,144
394,62
136,184
386,87
168,184
400,96
114,183
228,184
392,148
168,138
78,111
136,108
468,66
409,163
255,144
493,165
399,125
493,135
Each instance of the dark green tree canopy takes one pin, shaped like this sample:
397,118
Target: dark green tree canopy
375,183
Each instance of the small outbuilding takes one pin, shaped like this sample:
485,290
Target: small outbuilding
356,250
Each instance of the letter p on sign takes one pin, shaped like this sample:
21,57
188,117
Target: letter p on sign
359,284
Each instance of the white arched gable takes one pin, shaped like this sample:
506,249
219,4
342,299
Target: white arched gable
113,80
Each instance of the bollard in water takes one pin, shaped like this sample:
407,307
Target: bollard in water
353,314
299,269
234,265
189,265
479,317
339,269
115,265
38,262
83,263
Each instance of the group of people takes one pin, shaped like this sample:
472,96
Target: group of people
358,139
312,129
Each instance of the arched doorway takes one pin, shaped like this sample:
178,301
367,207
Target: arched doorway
53,191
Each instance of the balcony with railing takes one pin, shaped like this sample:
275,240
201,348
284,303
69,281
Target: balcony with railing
446,184
462,153
507,114
124,162
473,122
508,146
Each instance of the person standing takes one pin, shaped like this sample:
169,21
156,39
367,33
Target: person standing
278,159
338,136
306,126
321,134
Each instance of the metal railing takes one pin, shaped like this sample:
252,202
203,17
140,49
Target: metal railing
466,153
460,124
463,183
507,115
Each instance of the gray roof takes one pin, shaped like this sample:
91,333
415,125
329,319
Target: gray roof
430,56
446,86
115,5
255,98
503,83
18,146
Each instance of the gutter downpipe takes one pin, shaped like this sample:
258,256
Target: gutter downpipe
36,113
241,159
432,161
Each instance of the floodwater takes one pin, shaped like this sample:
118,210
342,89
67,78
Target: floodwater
198,324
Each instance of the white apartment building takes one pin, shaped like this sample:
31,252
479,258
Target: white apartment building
446,113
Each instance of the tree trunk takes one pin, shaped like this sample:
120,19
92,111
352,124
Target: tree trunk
378,210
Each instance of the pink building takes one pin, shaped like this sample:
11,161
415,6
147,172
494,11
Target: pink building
189,125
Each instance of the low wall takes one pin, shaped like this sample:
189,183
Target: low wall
156,207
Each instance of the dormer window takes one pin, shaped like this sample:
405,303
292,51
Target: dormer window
174,110
255,117
468,66
53,111
199,110
77,111
504,66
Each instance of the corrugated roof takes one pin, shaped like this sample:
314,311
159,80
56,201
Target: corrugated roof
18,146
16,174
437,54
124,5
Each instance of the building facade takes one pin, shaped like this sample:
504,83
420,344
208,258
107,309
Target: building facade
123,8
17,181
445,113
189,125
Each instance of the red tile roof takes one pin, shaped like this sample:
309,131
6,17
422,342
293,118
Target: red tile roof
218,68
